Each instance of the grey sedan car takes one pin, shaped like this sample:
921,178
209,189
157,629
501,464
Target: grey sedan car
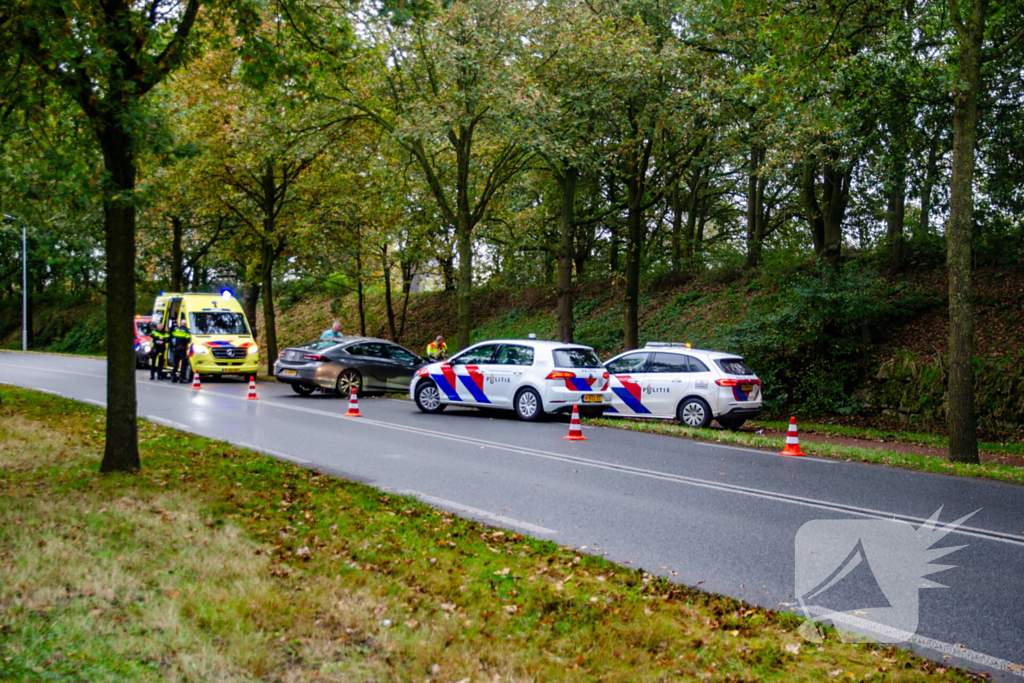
346,363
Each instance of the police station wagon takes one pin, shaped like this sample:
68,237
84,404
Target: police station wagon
668,380
530,376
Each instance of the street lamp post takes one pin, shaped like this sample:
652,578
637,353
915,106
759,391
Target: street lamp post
24,287
24,282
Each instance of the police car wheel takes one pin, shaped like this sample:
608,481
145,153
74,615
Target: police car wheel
303,390
529,406
731,423
428,398
694,412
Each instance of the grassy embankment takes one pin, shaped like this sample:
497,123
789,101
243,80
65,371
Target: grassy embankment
216,562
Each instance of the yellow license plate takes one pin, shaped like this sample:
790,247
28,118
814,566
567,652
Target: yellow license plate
747,387
591,398
289,373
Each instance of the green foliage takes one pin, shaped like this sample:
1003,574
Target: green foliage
810,346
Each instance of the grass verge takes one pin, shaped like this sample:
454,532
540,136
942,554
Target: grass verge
219,563
985,470
894,436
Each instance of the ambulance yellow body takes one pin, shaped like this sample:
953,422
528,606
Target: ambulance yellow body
222,342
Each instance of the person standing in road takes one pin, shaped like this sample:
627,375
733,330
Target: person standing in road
334,331
437,349
181,338
158,354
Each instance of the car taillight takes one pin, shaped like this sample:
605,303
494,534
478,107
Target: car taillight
561,374
281,355
735,382
313,356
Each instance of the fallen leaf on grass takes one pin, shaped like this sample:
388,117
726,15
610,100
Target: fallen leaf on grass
503,572
792,648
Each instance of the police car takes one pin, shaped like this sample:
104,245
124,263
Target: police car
667,380
531,377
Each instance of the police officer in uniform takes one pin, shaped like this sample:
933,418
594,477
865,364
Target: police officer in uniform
437,349
158,354
181,337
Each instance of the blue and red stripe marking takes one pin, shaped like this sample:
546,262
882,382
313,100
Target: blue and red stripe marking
629,393
474,382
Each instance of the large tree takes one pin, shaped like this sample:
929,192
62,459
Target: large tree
107,55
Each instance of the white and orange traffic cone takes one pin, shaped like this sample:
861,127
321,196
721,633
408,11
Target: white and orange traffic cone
792,440
575,431
252,389
353,405
195,381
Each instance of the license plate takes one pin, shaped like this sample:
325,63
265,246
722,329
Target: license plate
289,373
591,398
747,388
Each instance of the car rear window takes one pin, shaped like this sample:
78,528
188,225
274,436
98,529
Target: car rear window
734,366
576,358
317,345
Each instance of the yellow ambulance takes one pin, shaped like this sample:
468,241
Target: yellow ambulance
222,342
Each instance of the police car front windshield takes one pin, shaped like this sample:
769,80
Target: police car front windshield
144,328
203,324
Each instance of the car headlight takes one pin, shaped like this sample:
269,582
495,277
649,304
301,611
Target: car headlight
145,348
254,349
200,349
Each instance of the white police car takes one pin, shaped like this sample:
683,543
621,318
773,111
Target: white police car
529,376
666,380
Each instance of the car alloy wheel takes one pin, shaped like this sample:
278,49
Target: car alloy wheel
693,412
303,390
428,398
528,405
348,381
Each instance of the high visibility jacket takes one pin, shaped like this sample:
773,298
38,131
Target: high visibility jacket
159,339
180,338
434,351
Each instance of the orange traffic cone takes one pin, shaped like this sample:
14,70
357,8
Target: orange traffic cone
792,440
575,431
195,381
252,389
353,405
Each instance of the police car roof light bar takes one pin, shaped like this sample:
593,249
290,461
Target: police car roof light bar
657,344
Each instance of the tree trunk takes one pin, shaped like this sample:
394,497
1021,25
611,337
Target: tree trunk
755,207
613,227
269,320
250,300
387,293
464,238
895,215
448,273
677,230
121,451
931,173
963,440
177,267
836,193
812,210
563,285
696,180
359,292
408,269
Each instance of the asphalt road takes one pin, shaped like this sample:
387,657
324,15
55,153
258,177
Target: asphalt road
718,517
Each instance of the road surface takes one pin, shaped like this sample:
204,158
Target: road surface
718,517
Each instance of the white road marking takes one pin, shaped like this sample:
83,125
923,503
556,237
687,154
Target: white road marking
46,391
493,517
957,652
94,402
273,454
167,423
806,458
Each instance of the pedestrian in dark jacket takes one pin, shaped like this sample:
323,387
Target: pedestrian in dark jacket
181,339
158,354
